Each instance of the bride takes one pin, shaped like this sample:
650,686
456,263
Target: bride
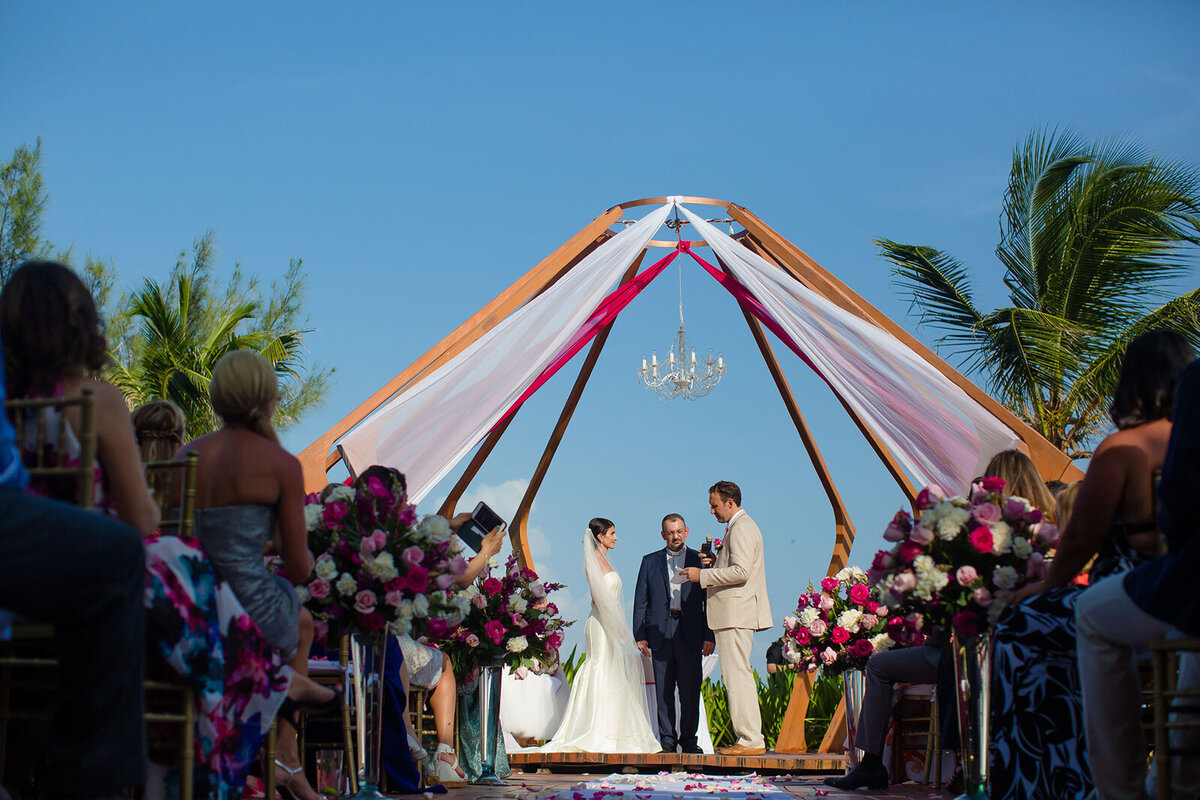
607,710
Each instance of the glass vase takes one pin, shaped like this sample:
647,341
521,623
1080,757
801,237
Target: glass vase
367,654
853,686
972,685
490,676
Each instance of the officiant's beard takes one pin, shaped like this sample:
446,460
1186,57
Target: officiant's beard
681,548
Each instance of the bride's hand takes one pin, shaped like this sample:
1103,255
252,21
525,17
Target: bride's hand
644,647
493,541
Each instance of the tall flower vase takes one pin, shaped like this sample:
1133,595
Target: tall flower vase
853,686
367,652
972,680
489,721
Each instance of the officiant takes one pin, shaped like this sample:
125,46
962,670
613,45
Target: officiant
671,627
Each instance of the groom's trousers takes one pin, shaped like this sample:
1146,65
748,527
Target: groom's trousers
675,665
84,573
733,647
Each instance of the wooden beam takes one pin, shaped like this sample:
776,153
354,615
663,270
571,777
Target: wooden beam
1051,462
835,734
520,523
791,731
316,459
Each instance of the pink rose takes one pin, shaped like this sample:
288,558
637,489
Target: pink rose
379,537
320,630
394,598
966,575
492,586
930,496
364,601
986,513
818,627
802,636
437,628
881,610
1036,566
418,579
1014,508
909,551
319,589
868,621
981,539
894,533
472,640
859,594
366,546
993,484
982,596
444,580
479,601
829,584
839,634
1046,533
921,535
789,623
826,603
412,556
883,561
828,656
458,566
966,623
495,630
904,583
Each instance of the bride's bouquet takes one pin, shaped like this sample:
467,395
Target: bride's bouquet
837,628
508,618
377,567
962,560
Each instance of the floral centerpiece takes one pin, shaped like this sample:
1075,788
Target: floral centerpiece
509,618
377,567
960,562
839,627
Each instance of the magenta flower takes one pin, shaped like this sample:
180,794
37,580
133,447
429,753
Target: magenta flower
802,635
909,551
495,631
862,648
438,628
829,584
966,623
839,634
492,586
930,496
418,579
994,484
981,539
333,514
859,594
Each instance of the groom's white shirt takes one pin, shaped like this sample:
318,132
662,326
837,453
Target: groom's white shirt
737,582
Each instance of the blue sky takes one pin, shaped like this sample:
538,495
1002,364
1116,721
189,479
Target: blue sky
419,158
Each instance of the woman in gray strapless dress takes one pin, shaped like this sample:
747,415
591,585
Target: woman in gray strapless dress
234,538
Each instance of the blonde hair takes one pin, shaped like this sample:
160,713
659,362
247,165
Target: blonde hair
244,392
160,429
1021,479
1066,502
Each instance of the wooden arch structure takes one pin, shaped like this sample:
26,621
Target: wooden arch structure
757,236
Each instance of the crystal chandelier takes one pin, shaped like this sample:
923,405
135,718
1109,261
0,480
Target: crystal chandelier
680,375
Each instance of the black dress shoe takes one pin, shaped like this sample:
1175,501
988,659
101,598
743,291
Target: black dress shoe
872,777
692,750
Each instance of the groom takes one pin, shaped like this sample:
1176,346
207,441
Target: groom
737,607
670,626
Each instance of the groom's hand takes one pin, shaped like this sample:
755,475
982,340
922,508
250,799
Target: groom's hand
708,648
693,574
644,647
707,560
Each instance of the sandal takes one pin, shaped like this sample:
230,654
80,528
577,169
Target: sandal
447,773
285,788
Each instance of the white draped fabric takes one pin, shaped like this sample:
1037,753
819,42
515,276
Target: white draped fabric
426,429
935,430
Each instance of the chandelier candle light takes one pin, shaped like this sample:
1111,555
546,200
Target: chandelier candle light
680,376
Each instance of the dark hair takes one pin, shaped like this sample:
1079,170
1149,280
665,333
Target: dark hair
670,517
50,327
727,490
1149,374
599,526
388,475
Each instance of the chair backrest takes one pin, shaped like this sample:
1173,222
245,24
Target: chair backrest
39,462
174,486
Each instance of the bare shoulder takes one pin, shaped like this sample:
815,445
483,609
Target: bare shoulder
108,398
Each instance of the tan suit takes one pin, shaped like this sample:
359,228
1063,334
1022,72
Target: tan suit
737,607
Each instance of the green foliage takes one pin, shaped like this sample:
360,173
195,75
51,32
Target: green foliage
22,200
571,666
165,338
716,703
822,702
1092,236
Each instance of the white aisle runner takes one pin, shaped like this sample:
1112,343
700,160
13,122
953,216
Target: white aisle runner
671,785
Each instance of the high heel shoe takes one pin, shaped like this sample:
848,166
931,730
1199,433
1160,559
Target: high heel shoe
285,788
447,774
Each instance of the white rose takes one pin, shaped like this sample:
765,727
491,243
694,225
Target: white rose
340,494
518,604
842,575
326,568
1001,538
421,606
1004,577
517,644
493,562
302,593
400,627
435,528
346,584
951,522
791,651
463,604
312,516
537,590
470,592
857,573
849,619
404,611
881,642
1021,547
382,567
808,615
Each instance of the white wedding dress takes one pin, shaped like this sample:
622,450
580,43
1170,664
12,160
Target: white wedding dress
607,710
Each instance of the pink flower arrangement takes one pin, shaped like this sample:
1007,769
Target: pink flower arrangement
508,618
982,550
376,568
838,627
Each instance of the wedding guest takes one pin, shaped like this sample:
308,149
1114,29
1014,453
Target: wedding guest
1038,747
1154,601
928,663
54,345
160,430
88,585
250,492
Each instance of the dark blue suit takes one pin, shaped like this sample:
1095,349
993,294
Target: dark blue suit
675,644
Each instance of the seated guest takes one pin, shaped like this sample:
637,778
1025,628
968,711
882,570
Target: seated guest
250,493
1038,747
1154,601
917,665
241,682
53,344
88,584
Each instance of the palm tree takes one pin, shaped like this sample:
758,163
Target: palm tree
1095,239
166,338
